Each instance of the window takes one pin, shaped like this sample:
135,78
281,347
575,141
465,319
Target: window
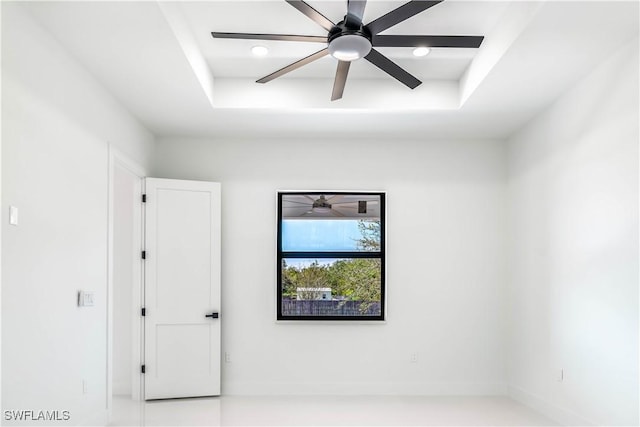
331,255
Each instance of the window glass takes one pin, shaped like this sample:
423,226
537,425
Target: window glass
331,287
331,256
329,235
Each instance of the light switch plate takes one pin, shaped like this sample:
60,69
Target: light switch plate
86,298
13,215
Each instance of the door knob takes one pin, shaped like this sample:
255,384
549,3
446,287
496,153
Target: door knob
212,315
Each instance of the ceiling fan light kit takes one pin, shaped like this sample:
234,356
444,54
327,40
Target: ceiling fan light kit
349,47
350,40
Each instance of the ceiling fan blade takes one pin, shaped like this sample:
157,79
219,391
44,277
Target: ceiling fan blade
279,37
391,68
315,16
294,66
427,41
355,13
340,80
336,213
400,14
296,203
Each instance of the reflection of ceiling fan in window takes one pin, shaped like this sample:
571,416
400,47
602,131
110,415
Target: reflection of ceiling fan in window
337,206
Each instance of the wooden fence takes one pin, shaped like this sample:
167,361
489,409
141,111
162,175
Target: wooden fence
329,308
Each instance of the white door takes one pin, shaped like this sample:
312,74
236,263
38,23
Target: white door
182,288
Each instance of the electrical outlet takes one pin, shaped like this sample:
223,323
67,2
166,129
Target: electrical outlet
414,357
227,357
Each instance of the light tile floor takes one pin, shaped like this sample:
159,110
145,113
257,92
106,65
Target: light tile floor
327,411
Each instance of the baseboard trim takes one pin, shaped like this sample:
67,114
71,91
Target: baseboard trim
364,389
560,415
98,418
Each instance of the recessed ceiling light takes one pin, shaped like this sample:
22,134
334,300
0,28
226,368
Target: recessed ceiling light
259,50
421,51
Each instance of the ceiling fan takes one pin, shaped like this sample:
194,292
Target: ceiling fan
350,40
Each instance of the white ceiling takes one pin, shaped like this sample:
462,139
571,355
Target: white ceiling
160,61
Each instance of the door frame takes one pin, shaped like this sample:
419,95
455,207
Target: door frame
117,158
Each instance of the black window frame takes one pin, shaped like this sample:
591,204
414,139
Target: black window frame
281,255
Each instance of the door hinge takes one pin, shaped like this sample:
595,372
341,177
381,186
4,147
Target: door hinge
143,311
144,198
144,254
142,369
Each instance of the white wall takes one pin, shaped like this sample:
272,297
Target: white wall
445,264
57,123
573,282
